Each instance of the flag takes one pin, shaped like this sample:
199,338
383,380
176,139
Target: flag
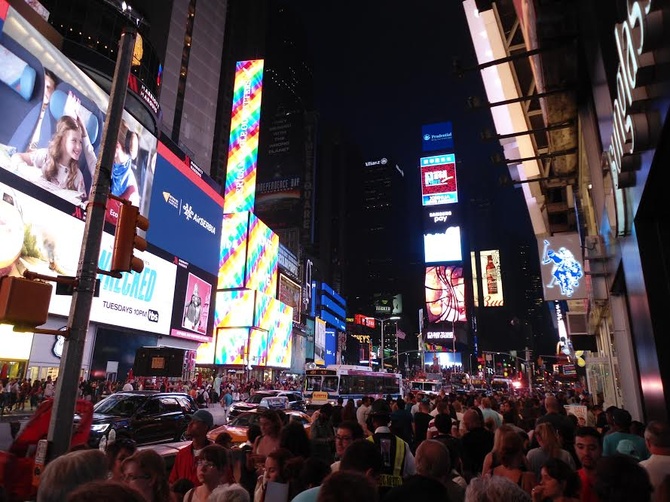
400,333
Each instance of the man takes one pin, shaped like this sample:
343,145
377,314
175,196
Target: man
657,437
421,420
433,461
398,461
184,464
475,443
362,412
401,420
560,421
226,402
360,456
490,414
347,432
443,425
620,440
588,450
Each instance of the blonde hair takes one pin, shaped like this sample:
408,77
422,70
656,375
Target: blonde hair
65,473
55,150
548,439
151,464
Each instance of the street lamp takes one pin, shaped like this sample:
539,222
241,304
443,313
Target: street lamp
382,321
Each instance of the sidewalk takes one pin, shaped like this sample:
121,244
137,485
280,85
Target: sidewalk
15,416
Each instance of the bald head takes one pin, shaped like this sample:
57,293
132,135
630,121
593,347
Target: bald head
433,460
551,404
471,420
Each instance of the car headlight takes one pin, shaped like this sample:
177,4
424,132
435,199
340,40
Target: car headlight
100,427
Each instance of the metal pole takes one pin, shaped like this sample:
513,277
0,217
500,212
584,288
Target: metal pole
382,356
62,415
397,348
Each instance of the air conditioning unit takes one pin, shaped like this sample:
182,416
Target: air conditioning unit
577,324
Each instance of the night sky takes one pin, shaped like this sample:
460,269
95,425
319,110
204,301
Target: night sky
384,68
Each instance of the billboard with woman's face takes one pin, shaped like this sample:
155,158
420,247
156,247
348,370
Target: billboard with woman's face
53,123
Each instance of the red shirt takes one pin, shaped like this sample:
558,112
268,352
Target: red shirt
185,466
587,492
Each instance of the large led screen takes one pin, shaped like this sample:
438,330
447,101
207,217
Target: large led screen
193,313
265,311
231,345
561,265
258,347
437,137
443,245
290,293
240,185
319,341
262,253
445,294
438,180
233,256
331,346
280,339
234,308
52,127
491,278
185,205
37,237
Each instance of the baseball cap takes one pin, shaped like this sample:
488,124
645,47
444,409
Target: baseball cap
205,417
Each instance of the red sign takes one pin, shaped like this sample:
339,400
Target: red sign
364,320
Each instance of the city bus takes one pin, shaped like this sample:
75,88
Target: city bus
326,385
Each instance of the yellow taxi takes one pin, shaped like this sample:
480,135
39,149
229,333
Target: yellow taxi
238,426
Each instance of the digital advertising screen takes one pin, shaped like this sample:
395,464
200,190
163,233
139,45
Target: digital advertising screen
438,180
443,245
265,311
34,236
445,294
438,136
331,346
233,256
280,339
319,341
444,359
562,267
234,308
185,213
231,344
193,312
258,347
240,187
491,278
47,101
262,253
290,293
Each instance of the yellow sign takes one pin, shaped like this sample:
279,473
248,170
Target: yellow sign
320,395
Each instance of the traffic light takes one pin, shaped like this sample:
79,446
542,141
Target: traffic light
24,302
126,240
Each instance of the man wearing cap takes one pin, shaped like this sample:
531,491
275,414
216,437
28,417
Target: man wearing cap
185,461
398,461
620,440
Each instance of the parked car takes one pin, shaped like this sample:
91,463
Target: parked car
147,417
238,426
296,402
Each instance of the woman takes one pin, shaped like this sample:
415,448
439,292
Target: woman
507,459
322,435
214,470
294,438
65,473
550,447
349,411
275,471
145,472
116,453
269,440
558,483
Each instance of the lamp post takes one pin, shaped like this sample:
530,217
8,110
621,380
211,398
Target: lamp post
382,321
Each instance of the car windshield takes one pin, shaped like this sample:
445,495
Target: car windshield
122,406
245,420
256,398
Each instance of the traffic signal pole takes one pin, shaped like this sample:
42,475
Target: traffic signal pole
67,385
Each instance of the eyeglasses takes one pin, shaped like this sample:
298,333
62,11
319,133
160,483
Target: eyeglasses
205,464
133,477
343,438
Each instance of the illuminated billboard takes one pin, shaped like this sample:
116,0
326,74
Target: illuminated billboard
443,246
231,344
319,341
192,314
438,180
265,311
258,347
233,256
44,98
475,275
437,137
491,278
184,203
240,187
280,340
262,252
445,294
331,346
234,308
290,293
562,267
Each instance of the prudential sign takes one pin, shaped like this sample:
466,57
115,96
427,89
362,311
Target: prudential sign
437,137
